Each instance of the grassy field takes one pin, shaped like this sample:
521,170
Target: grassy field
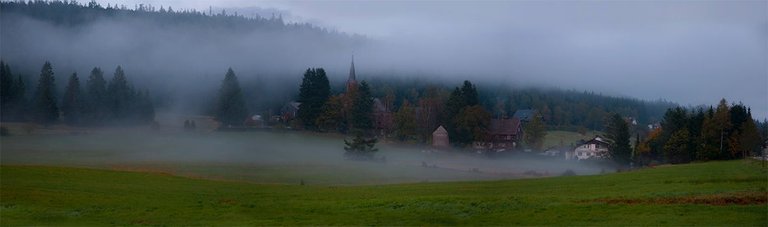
566,138
716,193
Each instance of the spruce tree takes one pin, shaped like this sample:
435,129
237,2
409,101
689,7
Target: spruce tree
362,110
95,99
405,122
230,106
46,111
71,106
617,134
469,92
119,95
534,133
314,92
677,147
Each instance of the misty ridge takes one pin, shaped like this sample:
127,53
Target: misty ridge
179,53
179,56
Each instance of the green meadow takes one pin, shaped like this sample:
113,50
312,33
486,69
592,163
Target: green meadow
126,177
729,193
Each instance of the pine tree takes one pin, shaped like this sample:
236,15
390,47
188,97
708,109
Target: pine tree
472,124
460,98
71,106
677,147
749,137
534,133
361,147
715,134
469,92
331,119
362,110
617,134
230,107
95,99
119,95
313,94
46,110
6,88
405,122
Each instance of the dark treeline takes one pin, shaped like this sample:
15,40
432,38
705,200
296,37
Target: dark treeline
172,46
700,134
73,13
561,109
94,103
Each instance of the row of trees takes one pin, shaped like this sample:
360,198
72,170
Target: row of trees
100,103
720,133
74,13
461,114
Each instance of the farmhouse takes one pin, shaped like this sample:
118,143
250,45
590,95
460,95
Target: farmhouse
505,133
289,111
596,148
440,138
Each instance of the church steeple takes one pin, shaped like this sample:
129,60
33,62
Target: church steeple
352,69
352,80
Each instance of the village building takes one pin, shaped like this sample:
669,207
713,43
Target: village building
440,138
505,133
525,115
255,121
289,111
596,148
383,117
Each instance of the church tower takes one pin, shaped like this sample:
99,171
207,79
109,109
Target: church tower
352,80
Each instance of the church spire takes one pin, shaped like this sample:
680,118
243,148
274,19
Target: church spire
352,70
352,81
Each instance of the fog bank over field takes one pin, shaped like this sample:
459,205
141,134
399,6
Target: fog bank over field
683,51
268,157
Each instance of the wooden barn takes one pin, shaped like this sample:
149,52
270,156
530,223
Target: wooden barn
440,138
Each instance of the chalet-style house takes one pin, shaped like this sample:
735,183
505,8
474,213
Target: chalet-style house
596,148
289,111
503,135
440,138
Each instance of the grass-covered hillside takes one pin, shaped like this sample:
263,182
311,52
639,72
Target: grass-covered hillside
716,193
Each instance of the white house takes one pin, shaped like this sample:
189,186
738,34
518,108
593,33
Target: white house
592,149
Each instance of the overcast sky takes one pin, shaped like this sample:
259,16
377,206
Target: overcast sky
690,52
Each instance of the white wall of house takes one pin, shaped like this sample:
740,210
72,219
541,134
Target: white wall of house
590,150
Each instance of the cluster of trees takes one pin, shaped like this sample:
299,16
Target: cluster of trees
717,133
559,109
465,119
100,103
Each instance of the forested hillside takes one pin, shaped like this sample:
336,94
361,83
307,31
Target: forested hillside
176,53
179,55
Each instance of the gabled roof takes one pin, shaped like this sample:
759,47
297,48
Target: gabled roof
597,139
379,106
525,115
504,126
440,130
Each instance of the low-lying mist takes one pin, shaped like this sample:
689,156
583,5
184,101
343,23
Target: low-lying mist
270,157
